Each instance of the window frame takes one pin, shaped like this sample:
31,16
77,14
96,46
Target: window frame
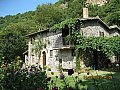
51,53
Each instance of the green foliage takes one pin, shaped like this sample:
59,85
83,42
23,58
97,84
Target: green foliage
113,18
60,68
69,24
108,45
38,46
12,34
74,9
12,41
94,9
77,51
14,78
110,12
47,15
96,80
62,1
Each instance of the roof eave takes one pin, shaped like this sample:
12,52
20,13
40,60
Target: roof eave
37,32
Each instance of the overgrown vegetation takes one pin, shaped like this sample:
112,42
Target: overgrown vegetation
13,77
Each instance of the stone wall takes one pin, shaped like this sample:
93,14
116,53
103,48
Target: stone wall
67,59
91,28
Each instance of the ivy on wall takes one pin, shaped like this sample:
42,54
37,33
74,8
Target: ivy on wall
108,45
38,46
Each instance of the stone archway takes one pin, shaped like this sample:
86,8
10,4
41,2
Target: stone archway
44,58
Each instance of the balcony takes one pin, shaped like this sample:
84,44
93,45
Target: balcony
67,43
63,44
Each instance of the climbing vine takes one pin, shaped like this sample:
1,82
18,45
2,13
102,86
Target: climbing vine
108,45
72,24
38,46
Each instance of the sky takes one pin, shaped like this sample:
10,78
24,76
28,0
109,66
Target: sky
13,7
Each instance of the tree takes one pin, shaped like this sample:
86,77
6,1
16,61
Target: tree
110,12
12,33
48,15
12,42
74,9
113,18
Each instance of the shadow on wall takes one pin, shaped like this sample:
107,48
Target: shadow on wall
98,60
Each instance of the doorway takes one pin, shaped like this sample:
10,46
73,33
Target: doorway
44,58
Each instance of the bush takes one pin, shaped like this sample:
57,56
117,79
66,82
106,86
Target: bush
15,78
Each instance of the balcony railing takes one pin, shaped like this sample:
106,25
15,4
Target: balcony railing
66,42
63,43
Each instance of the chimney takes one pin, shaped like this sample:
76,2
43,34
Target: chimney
85,12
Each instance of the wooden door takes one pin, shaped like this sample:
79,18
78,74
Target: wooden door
44,58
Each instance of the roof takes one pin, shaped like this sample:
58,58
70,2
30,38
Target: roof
84,19
37,32
114,26
97,18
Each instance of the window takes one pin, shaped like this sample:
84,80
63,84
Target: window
60,61
32,39
51,53
65,32
101,34
73,52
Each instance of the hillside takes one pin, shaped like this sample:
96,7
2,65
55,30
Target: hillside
98,2
93,2
14,28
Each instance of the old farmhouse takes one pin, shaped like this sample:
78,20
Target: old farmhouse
56,50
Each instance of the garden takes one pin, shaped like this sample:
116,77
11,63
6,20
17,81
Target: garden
88,80
13,77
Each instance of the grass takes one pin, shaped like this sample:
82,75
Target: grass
103,83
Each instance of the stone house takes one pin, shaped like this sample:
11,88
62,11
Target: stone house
57,51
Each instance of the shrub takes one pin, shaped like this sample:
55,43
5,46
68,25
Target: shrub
49,69
15,78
